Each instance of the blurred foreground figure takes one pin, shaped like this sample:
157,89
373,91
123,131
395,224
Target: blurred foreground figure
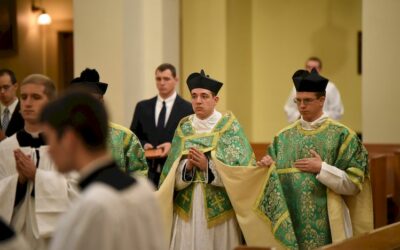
115,211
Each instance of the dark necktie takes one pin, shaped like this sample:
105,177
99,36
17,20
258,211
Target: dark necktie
6,119
161,117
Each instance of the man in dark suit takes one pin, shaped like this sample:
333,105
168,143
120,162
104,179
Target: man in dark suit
155,120
11,120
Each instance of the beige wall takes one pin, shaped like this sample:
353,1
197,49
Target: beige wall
204,41
255,46
125,40
283,37
38,45
381,61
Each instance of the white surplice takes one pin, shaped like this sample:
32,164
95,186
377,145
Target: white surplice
104,218
34,217
194,233
16,243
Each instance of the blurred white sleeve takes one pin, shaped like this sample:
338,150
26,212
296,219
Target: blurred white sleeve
217,179
180,171
333,104
291,110
337,180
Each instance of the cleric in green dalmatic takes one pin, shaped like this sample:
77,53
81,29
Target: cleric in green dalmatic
322,167
203,214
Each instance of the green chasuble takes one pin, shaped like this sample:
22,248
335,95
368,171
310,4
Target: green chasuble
307,199
229,144
127,150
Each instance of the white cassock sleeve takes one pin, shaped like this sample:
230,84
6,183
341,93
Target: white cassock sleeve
8,178
52,192
337,180
16,243
333,104
104,219
217,179
291,110
8,189
180,171
87,228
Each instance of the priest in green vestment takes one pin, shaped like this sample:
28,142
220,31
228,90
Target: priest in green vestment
125,146
323,170
203,215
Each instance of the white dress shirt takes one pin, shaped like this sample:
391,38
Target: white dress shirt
169,102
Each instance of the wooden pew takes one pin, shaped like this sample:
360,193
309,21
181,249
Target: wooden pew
396,188
378,182
260,149
385,238
392,176
379,148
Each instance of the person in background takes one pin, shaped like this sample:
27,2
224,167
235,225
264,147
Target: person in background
11,120
155,120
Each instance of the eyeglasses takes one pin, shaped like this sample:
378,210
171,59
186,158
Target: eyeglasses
306,101
5,88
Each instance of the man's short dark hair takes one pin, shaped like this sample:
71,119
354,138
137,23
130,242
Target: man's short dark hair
10,73
165,66
316,59
82,113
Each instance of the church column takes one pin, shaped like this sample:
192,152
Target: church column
239,63
125,40
381,60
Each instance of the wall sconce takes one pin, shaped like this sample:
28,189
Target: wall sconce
43,18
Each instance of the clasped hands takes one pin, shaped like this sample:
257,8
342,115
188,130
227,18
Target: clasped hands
310,165
25,167
196,158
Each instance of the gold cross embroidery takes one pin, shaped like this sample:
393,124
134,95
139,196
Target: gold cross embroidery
185,198
218,203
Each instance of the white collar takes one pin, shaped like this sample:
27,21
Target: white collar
168,99
206,125
314,124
